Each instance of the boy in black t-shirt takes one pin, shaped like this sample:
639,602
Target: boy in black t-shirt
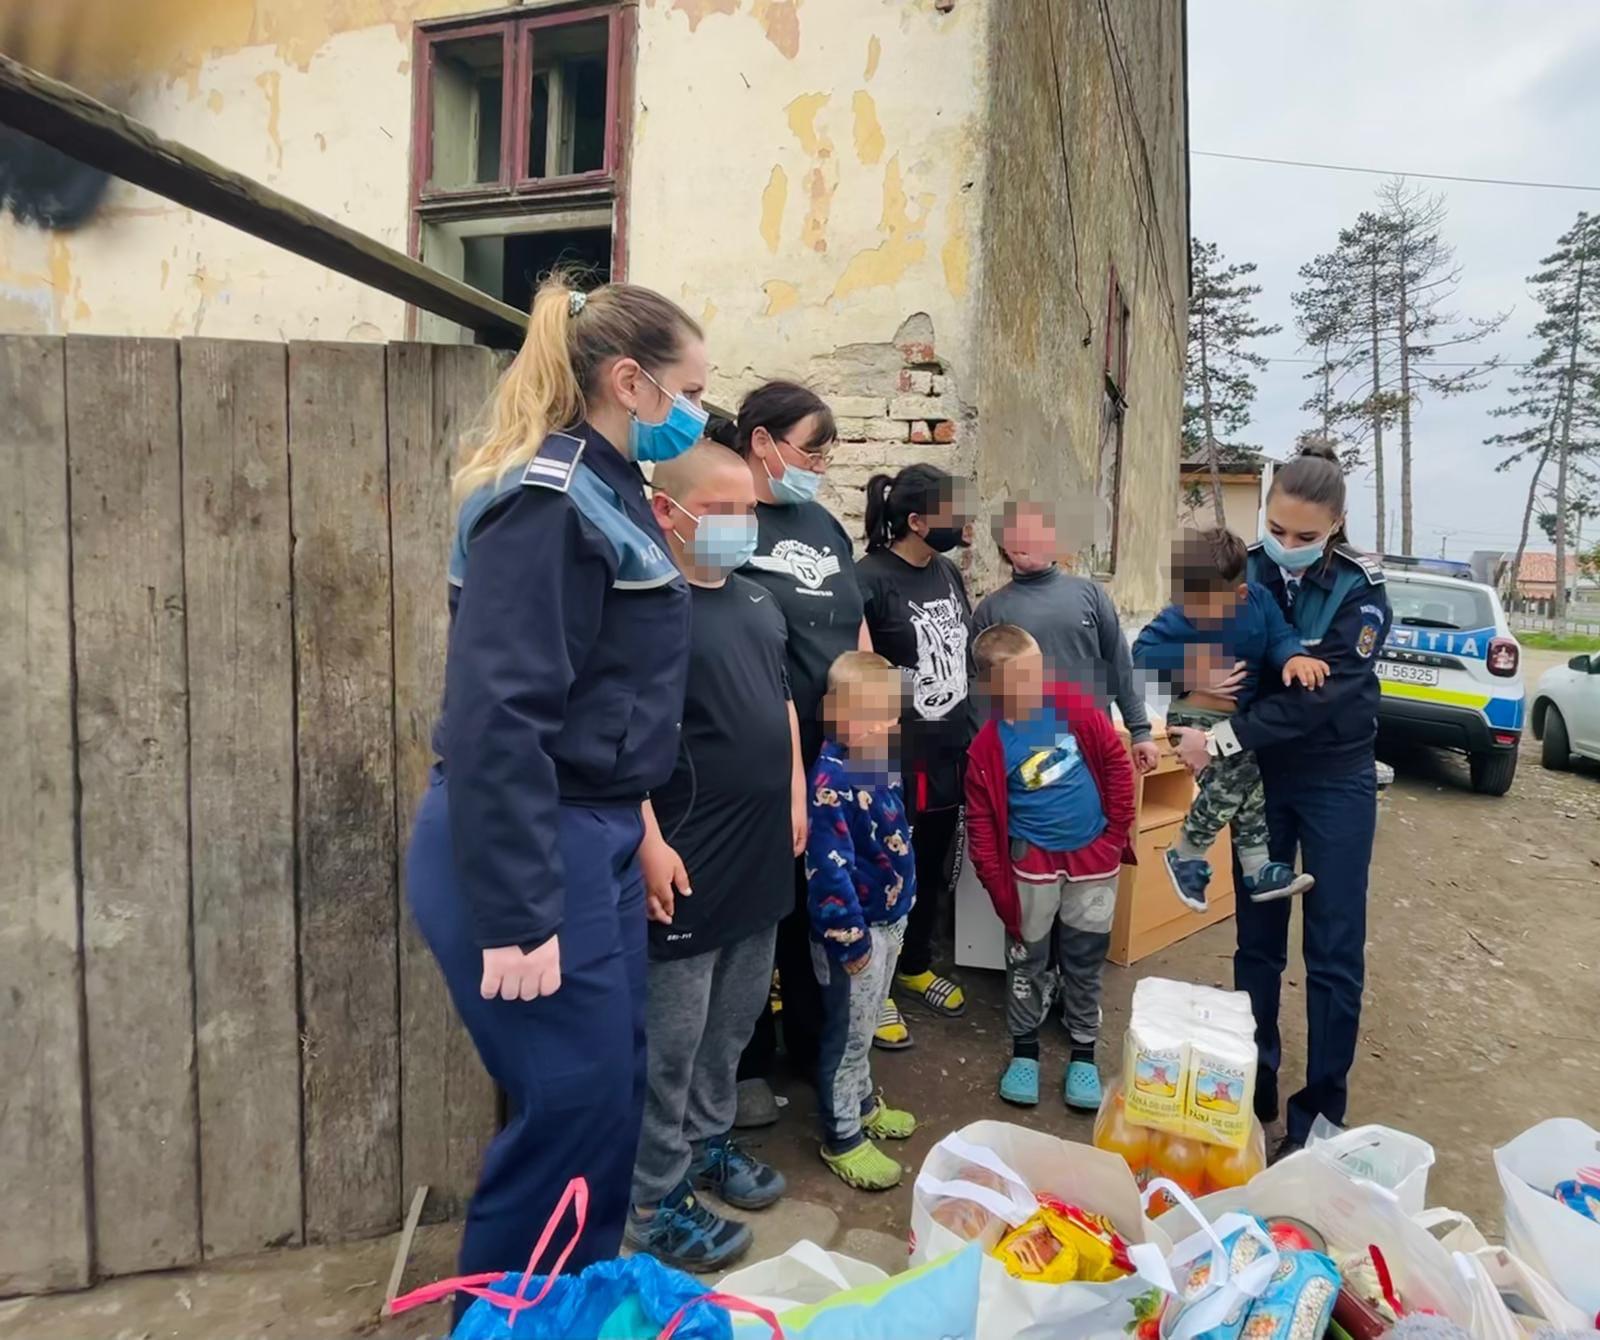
728,825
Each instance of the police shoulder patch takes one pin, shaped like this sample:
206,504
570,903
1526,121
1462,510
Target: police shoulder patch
1371,566
1367,641
555,463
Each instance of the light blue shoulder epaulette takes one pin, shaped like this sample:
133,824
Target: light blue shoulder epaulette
558,466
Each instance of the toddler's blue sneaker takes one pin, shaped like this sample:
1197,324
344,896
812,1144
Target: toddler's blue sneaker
736,1176
1082,1089
1276,880
685,1234
1189,879
1020,1083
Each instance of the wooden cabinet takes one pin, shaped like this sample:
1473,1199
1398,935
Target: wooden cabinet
1149,915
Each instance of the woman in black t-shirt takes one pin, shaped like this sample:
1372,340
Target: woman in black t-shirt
803,556
920,619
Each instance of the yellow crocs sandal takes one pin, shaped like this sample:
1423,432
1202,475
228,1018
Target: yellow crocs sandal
888,1123
866,1167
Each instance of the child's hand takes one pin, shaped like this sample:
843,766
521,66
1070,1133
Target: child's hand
664,878
856,965
798,822
1306,671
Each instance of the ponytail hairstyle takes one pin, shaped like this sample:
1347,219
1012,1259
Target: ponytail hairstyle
777,406
892,501
571,335
1315,476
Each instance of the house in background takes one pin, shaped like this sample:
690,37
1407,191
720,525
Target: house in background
1536,580
1244,494
964,221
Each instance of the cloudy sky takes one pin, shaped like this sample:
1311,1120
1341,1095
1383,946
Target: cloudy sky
1484,88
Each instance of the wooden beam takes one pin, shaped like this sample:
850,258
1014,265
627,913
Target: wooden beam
93,133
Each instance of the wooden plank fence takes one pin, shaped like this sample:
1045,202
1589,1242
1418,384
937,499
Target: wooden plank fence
222,626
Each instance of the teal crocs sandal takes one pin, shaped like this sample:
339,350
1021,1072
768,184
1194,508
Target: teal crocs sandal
1082,1089
1020,1083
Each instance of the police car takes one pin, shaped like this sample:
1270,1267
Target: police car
1452,672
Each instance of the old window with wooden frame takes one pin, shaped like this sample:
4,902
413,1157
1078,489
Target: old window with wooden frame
1113,418
518,141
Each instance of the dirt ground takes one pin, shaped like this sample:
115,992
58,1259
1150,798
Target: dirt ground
1480,1019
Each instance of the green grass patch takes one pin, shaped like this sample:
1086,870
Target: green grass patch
1558,641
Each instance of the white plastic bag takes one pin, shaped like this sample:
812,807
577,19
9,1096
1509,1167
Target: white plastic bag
1353,1215
1391,1158
1556,1241
1453,1229
1029,1161
801,1276
1512,1300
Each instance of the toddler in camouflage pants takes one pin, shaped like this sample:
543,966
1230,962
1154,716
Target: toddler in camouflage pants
1211,645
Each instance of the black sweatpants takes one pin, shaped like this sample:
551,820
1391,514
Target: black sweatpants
802,998
933,842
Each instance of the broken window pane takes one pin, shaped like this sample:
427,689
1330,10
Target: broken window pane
567,109
468,79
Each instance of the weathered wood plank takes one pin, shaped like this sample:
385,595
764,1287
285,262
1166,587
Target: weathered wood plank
44,1235
348,986
96,134
241,761
447,1101
127,566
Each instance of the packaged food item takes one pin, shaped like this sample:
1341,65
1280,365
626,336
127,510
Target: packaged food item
1062,1243
1221,1083
967,1220
1298,1302
1151,1153
1241,1248
1295,1235
1580,1195
1189,1061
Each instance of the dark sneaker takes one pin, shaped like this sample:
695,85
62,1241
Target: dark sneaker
736,1176
685,1234
1189,880
1276,880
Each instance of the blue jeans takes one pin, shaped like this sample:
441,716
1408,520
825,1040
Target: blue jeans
572,1065
1329,822
850,1007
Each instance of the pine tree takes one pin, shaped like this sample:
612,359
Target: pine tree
1422,278
1568,289
1218,389
1342,313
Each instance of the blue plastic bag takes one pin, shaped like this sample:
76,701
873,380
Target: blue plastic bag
636,1298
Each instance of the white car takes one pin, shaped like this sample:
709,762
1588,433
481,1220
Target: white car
1566,711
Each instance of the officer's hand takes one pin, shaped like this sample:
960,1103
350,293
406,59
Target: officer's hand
798,823
856,965
1146,754
1190,746
1306,671
513,975
664,878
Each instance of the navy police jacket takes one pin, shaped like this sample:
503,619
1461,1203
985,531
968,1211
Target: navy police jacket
569,649
1342,615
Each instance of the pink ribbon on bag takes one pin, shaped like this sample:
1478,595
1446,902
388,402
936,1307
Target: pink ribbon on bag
576,1195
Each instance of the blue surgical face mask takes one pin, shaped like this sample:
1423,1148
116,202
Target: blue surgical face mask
794,485
722,542
1292,560
673,436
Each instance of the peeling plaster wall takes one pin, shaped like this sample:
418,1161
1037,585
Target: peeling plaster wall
808,181
315,101
1048,262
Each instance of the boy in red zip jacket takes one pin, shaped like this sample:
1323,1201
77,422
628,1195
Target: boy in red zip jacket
1049,794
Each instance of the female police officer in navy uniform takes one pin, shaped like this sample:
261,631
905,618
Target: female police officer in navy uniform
563,695
1318,768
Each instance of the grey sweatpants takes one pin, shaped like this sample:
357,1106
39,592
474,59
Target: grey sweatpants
701,1013
1066,930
